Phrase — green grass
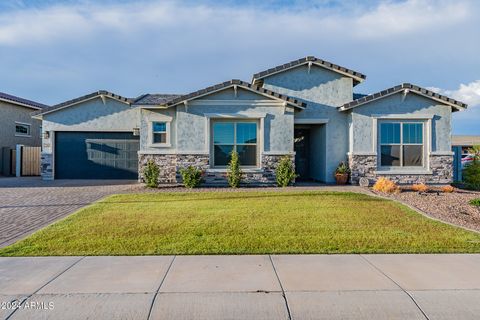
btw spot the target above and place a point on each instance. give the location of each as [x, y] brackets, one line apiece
[242, 223]
[475, 202]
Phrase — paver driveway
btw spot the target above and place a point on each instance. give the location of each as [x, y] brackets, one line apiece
[27, 204]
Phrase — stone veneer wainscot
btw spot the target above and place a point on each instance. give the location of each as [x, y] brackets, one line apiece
[441, 168]
[170, 165]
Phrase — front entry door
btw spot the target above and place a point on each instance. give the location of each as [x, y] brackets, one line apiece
[301, 146]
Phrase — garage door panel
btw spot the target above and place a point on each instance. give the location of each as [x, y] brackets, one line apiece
[96, 155]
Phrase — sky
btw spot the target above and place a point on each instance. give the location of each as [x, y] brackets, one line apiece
[53, 50]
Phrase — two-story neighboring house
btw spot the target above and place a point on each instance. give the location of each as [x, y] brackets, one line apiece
[17, 127]
[305, 109]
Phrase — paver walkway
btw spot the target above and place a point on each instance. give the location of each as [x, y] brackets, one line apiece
[242, 287]
[28, 204]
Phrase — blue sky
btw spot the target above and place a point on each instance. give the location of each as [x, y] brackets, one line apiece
[57, 50]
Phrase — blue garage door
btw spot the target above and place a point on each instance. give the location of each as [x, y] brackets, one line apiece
[96, 155]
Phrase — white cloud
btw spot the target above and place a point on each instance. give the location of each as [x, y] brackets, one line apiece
[53, 23]
[409, 17]
[467, 93]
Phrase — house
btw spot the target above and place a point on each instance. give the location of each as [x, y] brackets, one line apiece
[461, 146]
[304, 109]
[17, 127]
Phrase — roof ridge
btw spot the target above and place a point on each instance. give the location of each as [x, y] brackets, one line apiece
[228, 83]
[23, 101]
[398, 88]
[337, 68]
[82, 98]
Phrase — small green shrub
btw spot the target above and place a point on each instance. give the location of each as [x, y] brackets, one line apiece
[285, 172]
[471, 175]
[192, 177]
[151, 173]
[475, 202]
[342, 168]
[234, 175]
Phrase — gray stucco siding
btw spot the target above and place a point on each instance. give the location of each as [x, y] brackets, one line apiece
[323, 91]
[191, 124]
[409, 107]
[93, 115]
[146, 118]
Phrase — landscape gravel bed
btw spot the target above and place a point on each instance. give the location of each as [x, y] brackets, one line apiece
[450, 207]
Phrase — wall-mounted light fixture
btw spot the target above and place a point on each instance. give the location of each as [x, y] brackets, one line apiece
[46, 135]
[136, 131]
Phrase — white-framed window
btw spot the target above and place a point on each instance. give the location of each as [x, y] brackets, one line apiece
[22, 129]
[160, 133]
[235, 135]
[402, 144]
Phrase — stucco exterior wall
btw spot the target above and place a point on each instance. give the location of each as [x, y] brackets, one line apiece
[364, 155]
[323, 91]
[190, 128]
[93, 115]
[412, 105]
[9, 114]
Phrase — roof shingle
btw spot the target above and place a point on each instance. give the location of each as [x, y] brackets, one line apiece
[22, 101]
[357, 76]
[239, 83]
[405, 86]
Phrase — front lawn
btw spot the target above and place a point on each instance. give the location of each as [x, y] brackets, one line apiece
[244, 222]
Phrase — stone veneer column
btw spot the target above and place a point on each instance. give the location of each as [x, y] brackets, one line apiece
[362, 166]
[166, 164]
[46, 161]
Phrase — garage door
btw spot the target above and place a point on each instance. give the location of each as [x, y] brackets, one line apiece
[96, 155]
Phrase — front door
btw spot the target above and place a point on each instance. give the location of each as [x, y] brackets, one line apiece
[301, 146]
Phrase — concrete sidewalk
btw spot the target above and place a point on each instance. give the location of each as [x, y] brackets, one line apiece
[242, 287]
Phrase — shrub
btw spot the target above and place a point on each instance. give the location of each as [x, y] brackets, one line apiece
[192, 177]
[475, 202]
[234, 175]
[421, 187]
[386, 186]
[471, 175]
[448, 189]
[285, 172]
[151, 173]
[342, 168]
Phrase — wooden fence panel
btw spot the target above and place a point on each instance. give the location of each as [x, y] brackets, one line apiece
[31, 161]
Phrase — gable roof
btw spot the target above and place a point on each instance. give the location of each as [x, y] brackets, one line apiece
[407, 87]
[232, 83]
[357, 76]
[68, 103]
[155, 99]
[21, 102]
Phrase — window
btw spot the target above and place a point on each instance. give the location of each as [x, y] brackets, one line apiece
[401, 144]
[22, 129]
[159, 133]
[238, 136]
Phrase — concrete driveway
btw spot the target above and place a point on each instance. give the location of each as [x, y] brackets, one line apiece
[28, 204]
[242, 287]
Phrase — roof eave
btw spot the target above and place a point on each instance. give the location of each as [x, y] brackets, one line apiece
[20, 104]
[232, 83]
[356, 76]
[406, 87]
[91, 96]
